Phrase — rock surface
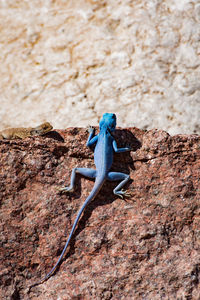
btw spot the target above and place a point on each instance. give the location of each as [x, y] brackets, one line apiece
[140, 59]
[147, 247]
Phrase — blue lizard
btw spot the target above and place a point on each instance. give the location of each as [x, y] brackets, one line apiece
[103, 158]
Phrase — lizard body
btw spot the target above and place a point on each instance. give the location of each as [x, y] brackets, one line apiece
[103, 158]
[22, 133]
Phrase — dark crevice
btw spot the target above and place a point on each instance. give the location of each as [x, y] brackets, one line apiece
[160, 156]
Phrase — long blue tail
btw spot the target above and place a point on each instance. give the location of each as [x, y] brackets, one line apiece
[97, 186]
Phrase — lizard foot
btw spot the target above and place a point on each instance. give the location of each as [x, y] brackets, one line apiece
[65, 189]
[122, 194]
[129, 147]
[90, 129]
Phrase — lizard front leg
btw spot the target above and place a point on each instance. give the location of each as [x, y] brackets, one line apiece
[91, 139]
[87, 172]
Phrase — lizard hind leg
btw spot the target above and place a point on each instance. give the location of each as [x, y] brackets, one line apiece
[87, 172]
[124, 178]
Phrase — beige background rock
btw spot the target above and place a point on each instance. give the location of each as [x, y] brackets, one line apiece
[67, 62]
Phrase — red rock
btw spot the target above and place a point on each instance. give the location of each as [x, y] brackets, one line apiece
[146, 247]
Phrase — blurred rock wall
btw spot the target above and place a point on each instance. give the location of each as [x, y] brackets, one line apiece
[67, 62]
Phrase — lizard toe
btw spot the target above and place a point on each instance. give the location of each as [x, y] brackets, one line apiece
[65, 189]
[122, 194]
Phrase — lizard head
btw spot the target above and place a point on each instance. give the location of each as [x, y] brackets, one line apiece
[42, 129]
[108, 121]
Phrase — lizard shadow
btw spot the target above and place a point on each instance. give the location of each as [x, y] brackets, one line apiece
[55, 135]
[122, 162]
